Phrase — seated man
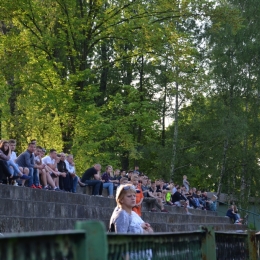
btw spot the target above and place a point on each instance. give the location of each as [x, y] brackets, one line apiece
[91, 178]
[153, 194]
[45, 175]
[50, 162]
[107, 183]
[26, 160]
[65, 182]
[123, 181]
[179, 200]
[72, 172]
[144, 186]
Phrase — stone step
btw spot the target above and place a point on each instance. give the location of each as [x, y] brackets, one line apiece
[34, 209]
[149, 203]
[27, 194]
[158, 217]
[163, 227]
[25, 209]
[22, 224]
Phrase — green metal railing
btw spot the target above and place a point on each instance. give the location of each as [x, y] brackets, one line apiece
[91, 242]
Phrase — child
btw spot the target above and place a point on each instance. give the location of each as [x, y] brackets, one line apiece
[186, 183]
[139, 195]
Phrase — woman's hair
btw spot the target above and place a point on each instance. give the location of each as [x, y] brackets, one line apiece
[122, 190]
[2, 144]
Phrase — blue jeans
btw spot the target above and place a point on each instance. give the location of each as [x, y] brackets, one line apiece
[36, 177]
[109, 186]
[30, 181]
[97, 186]
[213, 206]
[74, 184]
[14, 169]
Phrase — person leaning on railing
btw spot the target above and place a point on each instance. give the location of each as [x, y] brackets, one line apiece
[123, 219]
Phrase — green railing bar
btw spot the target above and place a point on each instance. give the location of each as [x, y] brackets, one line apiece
[252, 245]
[94, 247]
[208, 247]
[91, 242]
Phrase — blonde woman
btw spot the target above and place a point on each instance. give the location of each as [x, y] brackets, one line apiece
[123, 219]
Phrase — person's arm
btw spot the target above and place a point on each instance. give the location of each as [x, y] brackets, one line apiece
[151, 194]
[9, 152]
[3, 156]
[70, 170]
[97, 177]
[122, 223]
[140, 202]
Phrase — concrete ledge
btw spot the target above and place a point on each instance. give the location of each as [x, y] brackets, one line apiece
[158, 227]
[10, 224]
[25, 209]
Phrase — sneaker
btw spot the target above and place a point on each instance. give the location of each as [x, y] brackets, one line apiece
[57, 189]
[25, 177]
[188, 213]
[39, 186]
[15, 183]
[164, 210]
[153, 210]
[33, 187]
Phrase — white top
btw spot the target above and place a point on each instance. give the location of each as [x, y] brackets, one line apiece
[174, 190]
[47, 160]
[13, 156]
[37, 159]
[71, 168]
[126, 223]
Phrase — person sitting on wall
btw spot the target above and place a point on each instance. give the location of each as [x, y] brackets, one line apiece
[91, 177]
[153, 194]
[107, 183]
[232, 215]
[116, 178]
[179, 200]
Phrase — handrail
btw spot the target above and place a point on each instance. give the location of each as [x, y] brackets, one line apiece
[90, 241]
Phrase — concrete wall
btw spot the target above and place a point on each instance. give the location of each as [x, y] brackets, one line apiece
[25, 209]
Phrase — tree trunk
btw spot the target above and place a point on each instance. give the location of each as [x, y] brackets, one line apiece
[223, 167]
[175, 135]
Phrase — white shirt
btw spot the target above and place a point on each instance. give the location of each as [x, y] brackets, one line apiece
[47, 160]
[13, 156]
[37, 159]
[71, 169]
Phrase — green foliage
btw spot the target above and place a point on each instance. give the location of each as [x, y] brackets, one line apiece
[99, 79]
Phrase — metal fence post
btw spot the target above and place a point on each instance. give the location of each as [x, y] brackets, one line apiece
[95, 245]
[252, 248]
[208, 246]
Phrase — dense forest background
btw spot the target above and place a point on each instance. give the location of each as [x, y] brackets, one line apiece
[101, 79]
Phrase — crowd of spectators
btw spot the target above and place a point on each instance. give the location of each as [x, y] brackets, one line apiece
[164, 193]
[56, 171]
[35, 169]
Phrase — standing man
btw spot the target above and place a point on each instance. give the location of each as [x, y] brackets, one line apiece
[88, 176]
